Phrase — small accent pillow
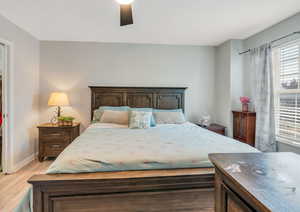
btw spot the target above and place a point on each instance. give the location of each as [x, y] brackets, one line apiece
[140, 120]
[99, 112]
[115, 117]
[169, 116]
[144, 110]
[97, 115]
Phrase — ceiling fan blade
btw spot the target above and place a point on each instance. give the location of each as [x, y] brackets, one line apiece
[126, 14]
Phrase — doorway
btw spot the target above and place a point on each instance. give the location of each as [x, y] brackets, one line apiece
[6, 51]
[3, 63]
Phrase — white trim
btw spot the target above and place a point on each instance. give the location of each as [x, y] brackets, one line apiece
[289, 91]
[7, 142]
[288, 142]
[24, 162]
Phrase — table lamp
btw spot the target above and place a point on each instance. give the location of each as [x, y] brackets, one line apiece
[58, 99]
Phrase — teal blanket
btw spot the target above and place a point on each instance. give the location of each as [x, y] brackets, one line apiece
[162, 147]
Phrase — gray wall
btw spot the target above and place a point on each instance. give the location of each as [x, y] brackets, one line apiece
[222, 85]
[228, 82]
[24, 91]
[237, 74]
[285, 27]
[73, 66]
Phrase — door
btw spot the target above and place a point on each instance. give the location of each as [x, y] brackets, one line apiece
[231, 202]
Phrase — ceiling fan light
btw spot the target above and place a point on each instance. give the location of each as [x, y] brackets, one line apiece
[124, 1]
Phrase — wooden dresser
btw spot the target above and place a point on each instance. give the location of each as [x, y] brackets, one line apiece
[53, 139]
[257, 182]
[244, 127]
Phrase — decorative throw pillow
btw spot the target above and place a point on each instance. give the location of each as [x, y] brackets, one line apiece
[145, 110]
[115, 117]
[169, 116]
[97, 116]
[140, 120]
[99, 112]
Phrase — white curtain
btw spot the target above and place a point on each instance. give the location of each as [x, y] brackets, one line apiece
[261, 66]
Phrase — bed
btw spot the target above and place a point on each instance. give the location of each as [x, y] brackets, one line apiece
[166, 175]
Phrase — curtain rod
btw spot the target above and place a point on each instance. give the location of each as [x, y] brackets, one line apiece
[273, 41]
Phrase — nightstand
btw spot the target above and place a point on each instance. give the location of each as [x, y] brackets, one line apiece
[53, 139]
[215, 128]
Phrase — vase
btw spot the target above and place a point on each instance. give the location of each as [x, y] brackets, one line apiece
[245, 107]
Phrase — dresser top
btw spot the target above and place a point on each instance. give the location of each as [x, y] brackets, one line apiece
[273, 179]
[244, 112]
[50, 125]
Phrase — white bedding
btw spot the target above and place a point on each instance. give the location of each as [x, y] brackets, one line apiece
[107, 125]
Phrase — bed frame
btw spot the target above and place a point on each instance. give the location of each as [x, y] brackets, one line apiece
[128, 191]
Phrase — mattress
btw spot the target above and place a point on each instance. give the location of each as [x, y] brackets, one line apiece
[109, 147]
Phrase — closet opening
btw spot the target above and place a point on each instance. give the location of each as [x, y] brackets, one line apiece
[6, 52]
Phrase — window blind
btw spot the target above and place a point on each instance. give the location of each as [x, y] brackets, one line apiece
[288, 94]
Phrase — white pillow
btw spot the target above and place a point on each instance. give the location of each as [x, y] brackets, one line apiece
[169, 117]
[116, 117]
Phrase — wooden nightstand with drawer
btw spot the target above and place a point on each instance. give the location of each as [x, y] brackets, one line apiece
[53, 139]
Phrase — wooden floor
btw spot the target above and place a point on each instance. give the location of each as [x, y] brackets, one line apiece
[14, 186]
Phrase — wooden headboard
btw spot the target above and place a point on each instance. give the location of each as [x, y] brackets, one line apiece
[139, 97]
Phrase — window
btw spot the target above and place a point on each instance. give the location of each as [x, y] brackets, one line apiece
[286, 60]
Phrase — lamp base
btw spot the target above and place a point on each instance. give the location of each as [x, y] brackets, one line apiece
[58, 111]
[54, 119]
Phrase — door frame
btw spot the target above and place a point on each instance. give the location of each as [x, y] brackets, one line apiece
[7, 144]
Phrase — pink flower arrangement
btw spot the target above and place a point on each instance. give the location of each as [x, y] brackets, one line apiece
[245, 100]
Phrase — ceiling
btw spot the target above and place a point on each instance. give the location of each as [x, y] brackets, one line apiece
[192, 22]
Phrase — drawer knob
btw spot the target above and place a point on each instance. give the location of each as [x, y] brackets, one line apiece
[55, 146]
[55, 134]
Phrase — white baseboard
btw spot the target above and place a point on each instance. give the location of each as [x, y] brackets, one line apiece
[24, 162]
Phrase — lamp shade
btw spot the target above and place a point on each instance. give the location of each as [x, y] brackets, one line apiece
[58, 99]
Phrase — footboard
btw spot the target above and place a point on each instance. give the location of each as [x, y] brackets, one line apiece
[133, 191]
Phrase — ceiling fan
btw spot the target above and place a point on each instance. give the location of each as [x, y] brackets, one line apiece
[125, 12]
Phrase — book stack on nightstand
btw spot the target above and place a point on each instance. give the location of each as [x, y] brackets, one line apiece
[217, 128]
